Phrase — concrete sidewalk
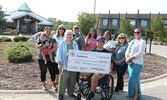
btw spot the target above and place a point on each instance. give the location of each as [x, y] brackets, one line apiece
[152, 89]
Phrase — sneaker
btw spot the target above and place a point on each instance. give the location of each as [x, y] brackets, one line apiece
[73, 96]
[90, 96]
[60, 97]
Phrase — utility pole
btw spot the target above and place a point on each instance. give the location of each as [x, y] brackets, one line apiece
[94, 11]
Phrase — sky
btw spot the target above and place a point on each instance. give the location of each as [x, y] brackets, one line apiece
[67, 10]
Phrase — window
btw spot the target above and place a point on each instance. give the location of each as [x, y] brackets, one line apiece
[143, 23]
[165, 22]
[114, 22]
[133, 23]
[105, 22]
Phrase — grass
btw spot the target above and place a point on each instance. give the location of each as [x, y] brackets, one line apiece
[7, 34]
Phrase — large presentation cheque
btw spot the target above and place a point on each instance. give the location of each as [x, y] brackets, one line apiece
[89, 62]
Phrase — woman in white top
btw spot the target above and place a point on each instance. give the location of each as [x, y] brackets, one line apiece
[108, 43]
[134, 59]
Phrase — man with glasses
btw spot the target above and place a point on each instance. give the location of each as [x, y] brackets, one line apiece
[79, 39]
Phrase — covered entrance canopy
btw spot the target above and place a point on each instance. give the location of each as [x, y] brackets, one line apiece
[26, 21]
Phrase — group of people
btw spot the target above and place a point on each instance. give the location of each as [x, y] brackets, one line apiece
[53, 55]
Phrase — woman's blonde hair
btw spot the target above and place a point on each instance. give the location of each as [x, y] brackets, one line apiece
[43, 34]
[122, 35]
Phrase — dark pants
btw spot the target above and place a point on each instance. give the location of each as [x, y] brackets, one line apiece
[43, 68]
[77, 78]
[120, 73]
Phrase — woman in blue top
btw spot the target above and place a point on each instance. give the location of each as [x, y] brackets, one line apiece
[119, 60]
[59, 36]
[67, 78]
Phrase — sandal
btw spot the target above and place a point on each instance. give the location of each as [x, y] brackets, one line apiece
[44, 87]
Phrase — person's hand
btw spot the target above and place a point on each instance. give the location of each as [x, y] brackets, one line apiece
[110, 72]
[67, 55]
[47, 44]
[59, 67]
[127, 60]
[118, 62]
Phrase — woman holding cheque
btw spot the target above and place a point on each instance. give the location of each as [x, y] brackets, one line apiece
[67, 78]
[96, 76]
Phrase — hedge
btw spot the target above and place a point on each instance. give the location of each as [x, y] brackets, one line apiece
[6, 39]
[20, 38]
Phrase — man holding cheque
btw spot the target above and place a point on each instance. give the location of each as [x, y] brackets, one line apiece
[96, 76]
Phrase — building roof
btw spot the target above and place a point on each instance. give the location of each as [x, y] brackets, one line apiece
[24, 10]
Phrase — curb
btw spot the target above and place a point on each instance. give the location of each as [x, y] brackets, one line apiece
[50, 91]
[151, 79]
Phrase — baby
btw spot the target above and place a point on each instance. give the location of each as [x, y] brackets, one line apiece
[44, 41]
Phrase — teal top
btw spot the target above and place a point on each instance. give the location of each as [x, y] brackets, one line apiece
[119, 53]
[58, 40]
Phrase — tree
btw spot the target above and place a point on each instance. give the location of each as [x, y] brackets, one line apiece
[158, 29]
[85, 22]
[59, 22]
[2, 20]
[70, 27]
[125, 27]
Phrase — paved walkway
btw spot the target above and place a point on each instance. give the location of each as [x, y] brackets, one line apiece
[152, 89]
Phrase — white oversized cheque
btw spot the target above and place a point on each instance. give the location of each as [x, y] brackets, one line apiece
[90, 62]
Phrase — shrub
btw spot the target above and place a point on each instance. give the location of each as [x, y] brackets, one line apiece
[20, 38]
[16, 39]
[0, 40]
[19, 53]
[6, 39]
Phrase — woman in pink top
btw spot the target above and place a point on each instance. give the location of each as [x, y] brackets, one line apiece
[90, 40]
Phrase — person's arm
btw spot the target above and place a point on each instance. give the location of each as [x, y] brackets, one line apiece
[112, 50]
[110, 72]
[59, 57]
[86, 44]
[112, 46]
[82, 43]
[54, 47]
[142, 47]
[59, 65]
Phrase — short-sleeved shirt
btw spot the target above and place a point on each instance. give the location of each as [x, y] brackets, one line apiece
[39, 56]
[104, 50]
[79, 40]
[43, 42]
[109, 44]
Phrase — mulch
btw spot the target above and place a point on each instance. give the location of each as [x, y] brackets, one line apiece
[26, 76]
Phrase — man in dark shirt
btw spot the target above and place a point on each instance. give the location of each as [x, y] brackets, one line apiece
[96, 76]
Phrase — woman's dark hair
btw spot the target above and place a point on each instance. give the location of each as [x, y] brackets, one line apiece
[107, 32]
[89, 35]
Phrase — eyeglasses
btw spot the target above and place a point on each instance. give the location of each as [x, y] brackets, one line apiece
[137, 32]
[76, 28]
[61, 28]
[121, 37]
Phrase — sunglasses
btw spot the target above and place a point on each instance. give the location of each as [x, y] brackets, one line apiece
[76, 28]
[137, 32]
[121, 37]
[61, 28]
